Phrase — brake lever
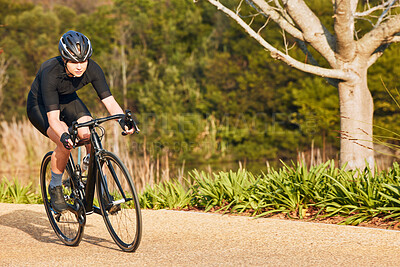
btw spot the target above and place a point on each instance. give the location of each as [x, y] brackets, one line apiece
[130, 121]
[73, 132]
[134, 126]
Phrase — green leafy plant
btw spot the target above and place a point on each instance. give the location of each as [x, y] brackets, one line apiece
[295, 190]
[14, 192]
[168, 194]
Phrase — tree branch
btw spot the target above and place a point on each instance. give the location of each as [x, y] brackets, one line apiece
[313, 30]
[311, 59]
[386, 32]
[275, 53]
[270, 12]
[279, 19]
[394, 39]
[344, 28]
[379, 51]
[377, 54]
[373, 9]
[382, 16]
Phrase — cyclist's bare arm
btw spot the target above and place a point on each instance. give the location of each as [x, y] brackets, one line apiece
[114, 108]
[56, 125]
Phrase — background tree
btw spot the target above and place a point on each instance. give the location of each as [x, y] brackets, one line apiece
[203, 92]
[3, 75]
[356, 37]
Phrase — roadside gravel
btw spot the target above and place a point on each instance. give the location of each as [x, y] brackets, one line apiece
[173, 238]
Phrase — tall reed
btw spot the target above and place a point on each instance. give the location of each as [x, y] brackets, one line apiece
[23, 147]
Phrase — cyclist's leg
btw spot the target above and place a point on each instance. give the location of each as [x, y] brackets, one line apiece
[59, 160]
[64, 224]
[76, 110]
[38, 117]
[60, 156]
[69, 224]
[83, 133]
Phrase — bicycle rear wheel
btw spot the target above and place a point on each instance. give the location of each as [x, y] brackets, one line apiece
[69, 224]
[119, 202]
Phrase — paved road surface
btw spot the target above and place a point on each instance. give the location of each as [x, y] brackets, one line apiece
[173, 238]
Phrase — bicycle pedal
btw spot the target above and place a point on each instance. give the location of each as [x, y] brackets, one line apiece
[89, 212]
[114, 209]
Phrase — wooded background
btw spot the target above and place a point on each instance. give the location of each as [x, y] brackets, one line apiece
[202, 89]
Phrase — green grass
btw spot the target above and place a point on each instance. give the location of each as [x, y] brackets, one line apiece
[14, 192]
[295, 191]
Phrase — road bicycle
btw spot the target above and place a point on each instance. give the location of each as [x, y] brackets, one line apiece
[117, 200]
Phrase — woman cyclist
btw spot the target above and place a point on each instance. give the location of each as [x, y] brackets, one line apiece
[53, 104]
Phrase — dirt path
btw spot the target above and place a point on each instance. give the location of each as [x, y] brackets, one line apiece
[174, 238]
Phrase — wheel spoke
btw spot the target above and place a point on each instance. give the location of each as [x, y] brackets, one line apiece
[67, 225]
[122, 216]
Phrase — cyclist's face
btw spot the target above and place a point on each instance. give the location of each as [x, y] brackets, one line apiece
[77, 69]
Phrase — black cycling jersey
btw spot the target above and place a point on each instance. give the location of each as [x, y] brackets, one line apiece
[52, 86]
[53, 89]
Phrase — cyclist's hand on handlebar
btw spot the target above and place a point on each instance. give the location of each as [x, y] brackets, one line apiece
[66, 140]
[127, 127]
[127, 124]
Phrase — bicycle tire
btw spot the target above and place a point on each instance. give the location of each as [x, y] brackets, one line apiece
[123, 220]
[69, 225]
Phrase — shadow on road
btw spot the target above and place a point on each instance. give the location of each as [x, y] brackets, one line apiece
[32, 223]
[38, 226]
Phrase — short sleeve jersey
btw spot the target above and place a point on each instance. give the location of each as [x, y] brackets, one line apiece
[52, 86]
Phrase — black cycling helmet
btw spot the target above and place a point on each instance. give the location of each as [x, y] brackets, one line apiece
[75, 46]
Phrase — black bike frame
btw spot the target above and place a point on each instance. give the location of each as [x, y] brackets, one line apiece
[94, 162]
[93, 168]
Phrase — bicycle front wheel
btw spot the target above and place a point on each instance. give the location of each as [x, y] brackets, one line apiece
[69, 224]
[119, 202]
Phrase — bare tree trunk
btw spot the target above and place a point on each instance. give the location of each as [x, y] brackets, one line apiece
[356, 111]
[348, 55]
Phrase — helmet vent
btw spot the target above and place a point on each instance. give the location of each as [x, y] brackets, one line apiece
[75, 46]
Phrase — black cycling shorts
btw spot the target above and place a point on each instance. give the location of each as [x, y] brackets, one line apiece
[69, 112]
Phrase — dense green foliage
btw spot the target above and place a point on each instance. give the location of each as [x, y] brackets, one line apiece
[202, 89]
[14, 192]
[295, 191]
